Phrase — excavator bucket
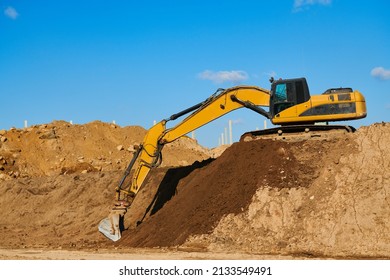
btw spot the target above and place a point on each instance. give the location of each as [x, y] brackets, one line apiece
[112, 226]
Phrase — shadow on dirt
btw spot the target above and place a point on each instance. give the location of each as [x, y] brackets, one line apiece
[167, 188]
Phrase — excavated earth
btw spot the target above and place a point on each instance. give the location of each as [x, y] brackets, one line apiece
[316, 198]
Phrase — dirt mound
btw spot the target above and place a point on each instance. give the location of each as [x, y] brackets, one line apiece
[200, 195]
[345, 212]
[57, 180]
[325, 197]
[63, 148]
[313, 198]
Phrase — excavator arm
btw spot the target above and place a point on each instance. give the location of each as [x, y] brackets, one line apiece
[148, 154]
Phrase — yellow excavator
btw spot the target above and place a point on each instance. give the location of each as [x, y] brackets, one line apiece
[290, 106]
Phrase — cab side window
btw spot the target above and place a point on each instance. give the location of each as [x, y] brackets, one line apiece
[284, 97]
[281, 93]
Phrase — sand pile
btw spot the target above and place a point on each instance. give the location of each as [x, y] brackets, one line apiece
[328, 197]
[57, 180]
[344, 211]
[63, 148]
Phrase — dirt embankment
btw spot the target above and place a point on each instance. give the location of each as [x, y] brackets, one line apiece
[323, 198]
[63, 148]
[318, 198]
[57, 180]
[344, 211]
[197, 197]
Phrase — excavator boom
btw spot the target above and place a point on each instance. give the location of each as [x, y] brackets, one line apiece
[148, 154]
[217, 105]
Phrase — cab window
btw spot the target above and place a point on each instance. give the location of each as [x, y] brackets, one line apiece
[280, 93]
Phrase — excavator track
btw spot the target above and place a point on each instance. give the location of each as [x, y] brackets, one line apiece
[298, 132]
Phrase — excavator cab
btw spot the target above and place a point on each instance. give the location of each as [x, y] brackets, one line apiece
[287, 93]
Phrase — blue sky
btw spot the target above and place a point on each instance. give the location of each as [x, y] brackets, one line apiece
[139, 61]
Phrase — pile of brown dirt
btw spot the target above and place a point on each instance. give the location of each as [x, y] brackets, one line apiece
[323, 197]
[63, 148]
[197, 197]
[311, 198]
[57, 180]
[345, 211]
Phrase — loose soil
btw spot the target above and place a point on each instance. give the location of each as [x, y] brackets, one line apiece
[317, 198]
